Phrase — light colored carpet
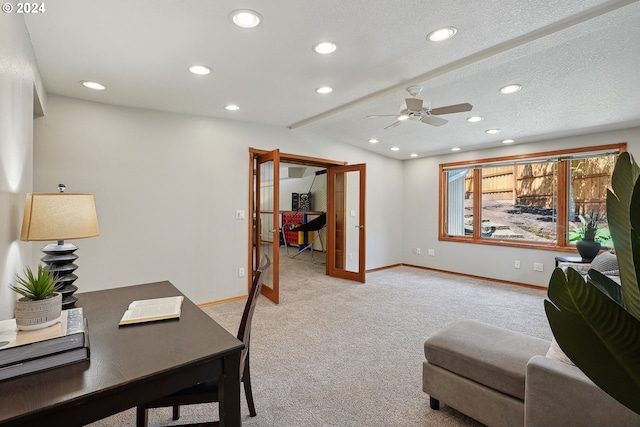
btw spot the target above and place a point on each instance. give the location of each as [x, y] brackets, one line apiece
[339, 353]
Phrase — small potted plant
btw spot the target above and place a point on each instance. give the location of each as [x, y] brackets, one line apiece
[40, 305]
[587, 247]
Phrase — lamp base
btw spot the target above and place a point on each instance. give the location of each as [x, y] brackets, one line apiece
[59, 259]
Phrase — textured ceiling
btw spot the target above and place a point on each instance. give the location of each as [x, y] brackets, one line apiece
[577, 60]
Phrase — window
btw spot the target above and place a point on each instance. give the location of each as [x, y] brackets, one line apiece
[533, 200]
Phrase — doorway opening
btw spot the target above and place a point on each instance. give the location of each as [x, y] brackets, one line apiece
[303, 212]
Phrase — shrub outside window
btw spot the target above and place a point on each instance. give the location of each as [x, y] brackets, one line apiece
[533, 200]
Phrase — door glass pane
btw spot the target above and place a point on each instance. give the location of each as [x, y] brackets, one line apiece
[340, 225]
[347, 221]
[353, 221]
[266, 216]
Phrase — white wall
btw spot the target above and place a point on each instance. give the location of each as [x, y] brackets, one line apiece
[303, 185]
[167, 187]
[420, 221]
[18, 77]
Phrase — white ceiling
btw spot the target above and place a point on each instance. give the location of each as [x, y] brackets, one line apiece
[578, 62]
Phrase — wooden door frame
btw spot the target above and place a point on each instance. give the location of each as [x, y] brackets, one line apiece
[284, 158]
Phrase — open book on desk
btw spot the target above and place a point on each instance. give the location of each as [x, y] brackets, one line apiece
[150, 310]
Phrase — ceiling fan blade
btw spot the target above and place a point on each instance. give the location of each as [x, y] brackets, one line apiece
[458, 108]
[413, 104]
[434, 121]
[375, 116]
[392, 125]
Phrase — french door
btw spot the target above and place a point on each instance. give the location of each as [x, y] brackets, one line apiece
[345, 232]
[346, 190]
[267, 220]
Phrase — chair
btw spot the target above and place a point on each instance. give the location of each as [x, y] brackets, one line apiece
[317, 224]
[207, 391]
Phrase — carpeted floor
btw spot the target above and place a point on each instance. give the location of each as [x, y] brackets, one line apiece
[339, 353]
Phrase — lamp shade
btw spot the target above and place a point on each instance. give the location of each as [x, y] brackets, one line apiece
[59, 216]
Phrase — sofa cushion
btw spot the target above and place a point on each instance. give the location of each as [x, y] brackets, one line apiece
[487, 354]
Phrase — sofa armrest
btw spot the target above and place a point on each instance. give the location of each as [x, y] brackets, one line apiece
[557, 394]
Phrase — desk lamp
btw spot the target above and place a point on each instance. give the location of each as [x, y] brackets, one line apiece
[60, 216]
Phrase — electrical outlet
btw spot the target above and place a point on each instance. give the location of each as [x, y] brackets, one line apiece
[417, 251]
[517, 264]
[431, 252]
[538, 266]
[241, 272]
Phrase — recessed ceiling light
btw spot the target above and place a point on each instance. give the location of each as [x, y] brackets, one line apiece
[508, 89]
[231, 107]
[325, 48]
[246, 18]
[373, 141]
[442, 34]
[402, 117]
[395, 149]
[201, 70]
[92, 85]
[324, 89]
[474, 119]
[413, 155]
[455, 149]
[492, 131]
[507, 141]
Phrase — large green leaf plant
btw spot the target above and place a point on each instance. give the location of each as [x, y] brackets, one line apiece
[597, 323]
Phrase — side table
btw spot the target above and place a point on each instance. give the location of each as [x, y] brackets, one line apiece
[575, 262]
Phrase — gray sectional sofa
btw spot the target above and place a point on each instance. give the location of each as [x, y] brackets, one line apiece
[504, 378]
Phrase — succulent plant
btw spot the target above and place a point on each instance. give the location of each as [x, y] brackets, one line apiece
[589, 226]
[36, 286]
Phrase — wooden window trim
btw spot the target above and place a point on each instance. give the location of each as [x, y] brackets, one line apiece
[562, 244]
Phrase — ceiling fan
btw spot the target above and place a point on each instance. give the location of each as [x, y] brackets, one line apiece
[414, 109]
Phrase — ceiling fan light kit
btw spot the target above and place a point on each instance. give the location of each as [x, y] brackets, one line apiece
[415, 109]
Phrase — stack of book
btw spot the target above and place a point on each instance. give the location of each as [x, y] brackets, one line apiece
[25, 352]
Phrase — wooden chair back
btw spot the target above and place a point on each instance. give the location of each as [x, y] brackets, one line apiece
[244, 332]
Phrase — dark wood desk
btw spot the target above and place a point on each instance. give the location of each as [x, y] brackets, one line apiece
[129, 365]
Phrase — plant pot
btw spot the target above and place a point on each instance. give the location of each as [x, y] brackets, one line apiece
[38, 314]
[588, 249]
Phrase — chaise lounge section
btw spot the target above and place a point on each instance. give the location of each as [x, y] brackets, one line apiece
[503, 378]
